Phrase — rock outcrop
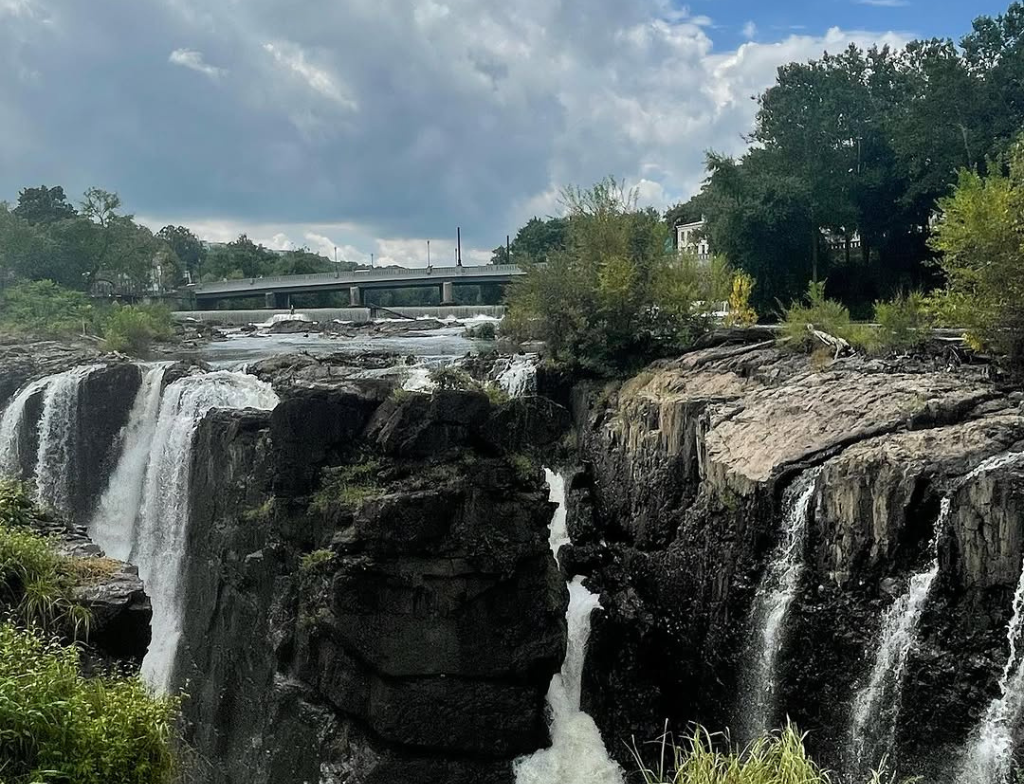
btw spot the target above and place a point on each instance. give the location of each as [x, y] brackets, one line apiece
[677, 508]
[370, 596]
[120, 611]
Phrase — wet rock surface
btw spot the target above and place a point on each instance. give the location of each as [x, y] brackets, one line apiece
[370, 592]
[677, 508]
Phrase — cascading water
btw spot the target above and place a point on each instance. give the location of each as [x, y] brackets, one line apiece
[162, 523]
[771, 607]
[577, 754]
[517, 375]
[11, 425]
[877, 706]
[58, 430]
[113, 526]
[989, 757]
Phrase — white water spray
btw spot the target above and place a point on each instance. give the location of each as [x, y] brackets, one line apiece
[577, 754]
[989, 757]
[517, 375]
[771, 607]
[877, 706]
[113, 526]
[160, 543]
[11, 426]
[58, 431]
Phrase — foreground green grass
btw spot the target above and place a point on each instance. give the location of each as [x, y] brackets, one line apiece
[776, 759]
[55, 724]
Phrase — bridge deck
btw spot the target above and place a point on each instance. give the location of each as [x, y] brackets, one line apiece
[380, 278]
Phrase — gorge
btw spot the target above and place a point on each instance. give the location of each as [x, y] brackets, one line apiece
[357, 583]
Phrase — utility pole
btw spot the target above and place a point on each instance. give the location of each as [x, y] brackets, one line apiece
[508, 250]
[458, 246]
[428, 253]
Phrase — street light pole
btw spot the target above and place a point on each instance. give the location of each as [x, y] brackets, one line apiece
[428, 253]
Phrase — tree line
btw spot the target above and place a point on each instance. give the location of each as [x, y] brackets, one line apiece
[850, 156]
[896, 177]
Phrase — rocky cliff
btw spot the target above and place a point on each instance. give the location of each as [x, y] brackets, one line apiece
[677, 507]
[370, 596]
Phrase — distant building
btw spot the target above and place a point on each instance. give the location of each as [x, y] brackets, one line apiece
[690, 238]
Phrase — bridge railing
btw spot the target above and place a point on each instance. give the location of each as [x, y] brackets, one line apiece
[355, 277]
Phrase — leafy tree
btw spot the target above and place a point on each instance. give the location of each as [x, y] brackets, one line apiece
[760, 220]
[979, 235]
[186, 245]
[44, 205]
[686, 212]
[616, 296]
[43, 308]
[132, 330]
[534, 242]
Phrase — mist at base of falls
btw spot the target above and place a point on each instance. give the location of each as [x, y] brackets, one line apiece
[577, 754]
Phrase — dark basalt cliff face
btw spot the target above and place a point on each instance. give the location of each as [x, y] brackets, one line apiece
[370, 596]
[676, 510]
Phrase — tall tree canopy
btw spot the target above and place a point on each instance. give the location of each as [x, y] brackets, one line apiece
[853, 151]
[534, 241]
[43, 205]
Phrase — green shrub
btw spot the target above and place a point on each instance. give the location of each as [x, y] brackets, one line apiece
[484, 331]
[131, 329]
[347, 485]
[15, 504]
[617, 295]
[42, 308]
[741, 314]
[36, 582]
[56, 726]
[824, 315]
[903, 323]
[776, 759]
[449, 377]
[310, 562]
[525, 467]
[979, 234]
[496, 394]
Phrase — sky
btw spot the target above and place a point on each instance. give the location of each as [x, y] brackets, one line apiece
[373, 126]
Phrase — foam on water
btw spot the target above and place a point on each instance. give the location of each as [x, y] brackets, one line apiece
[11, 426]
[159, 547]
[772, 602]
[577, 754]
[113, 525]
[58, 433]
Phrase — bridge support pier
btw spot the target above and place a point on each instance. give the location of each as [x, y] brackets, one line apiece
[276, 300]
[355, 297]
[447, 297]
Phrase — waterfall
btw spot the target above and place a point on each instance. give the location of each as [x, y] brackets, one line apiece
[877, 706]
[159, 546]
[577, 754]
[517, 375]
[771, 607]
[113, 526]
[11, 425]
[989, 756]
[58, 431]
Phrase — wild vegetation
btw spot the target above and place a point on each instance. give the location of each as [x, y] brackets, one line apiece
[776, 759]
[55, 724]
[41, 308]
[862, 144]
[616, 295]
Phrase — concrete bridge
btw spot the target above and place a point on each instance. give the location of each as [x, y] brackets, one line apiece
[277, 290]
